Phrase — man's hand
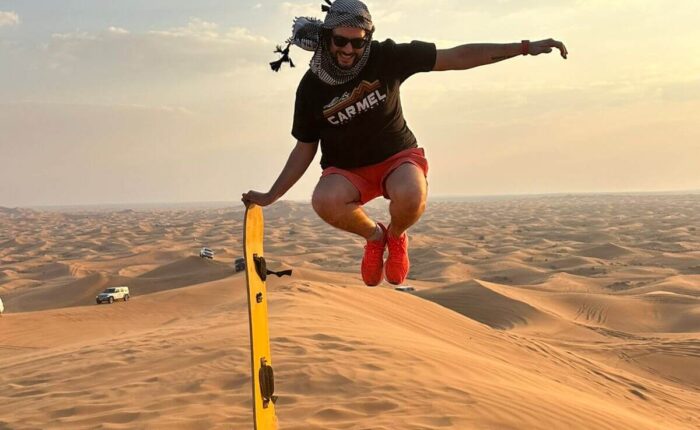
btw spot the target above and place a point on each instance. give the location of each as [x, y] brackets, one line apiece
[260, 199]
[545, 47]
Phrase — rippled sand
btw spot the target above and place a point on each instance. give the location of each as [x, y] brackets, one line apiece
[537, 312]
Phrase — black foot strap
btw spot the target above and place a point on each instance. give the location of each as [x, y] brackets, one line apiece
[262, 270]
[267, 383]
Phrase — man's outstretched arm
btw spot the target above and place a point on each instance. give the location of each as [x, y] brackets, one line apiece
[299, 159]
[478, 54]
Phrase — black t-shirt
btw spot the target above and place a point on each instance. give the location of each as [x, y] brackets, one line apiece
[361, 122]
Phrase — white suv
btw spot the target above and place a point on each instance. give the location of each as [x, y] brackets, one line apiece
[113, 293]
[2, 307]
[206, 253]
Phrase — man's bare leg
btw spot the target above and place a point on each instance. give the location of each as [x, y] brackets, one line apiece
[336, 201]
[408, 190]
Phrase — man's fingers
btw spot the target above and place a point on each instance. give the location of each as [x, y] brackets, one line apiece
[560, 46]
[246, 198]
[255, 197]
[546, 47]
[564, 52]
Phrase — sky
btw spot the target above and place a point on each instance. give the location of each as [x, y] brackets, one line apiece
[143, 101]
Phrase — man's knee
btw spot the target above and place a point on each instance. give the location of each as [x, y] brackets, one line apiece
[409, 198]
[407, 188]
[331, 196]
[324, 202]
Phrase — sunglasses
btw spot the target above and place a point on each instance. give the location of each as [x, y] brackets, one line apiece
[356, 43]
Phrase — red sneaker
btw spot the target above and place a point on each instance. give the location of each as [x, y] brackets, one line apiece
[397, 263]
[373, 260]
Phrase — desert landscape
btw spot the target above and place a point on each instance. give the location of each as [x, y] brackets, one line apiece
[533, 312]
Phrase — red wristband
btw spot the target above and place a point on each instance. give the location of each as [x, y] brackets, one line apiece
[525, 48]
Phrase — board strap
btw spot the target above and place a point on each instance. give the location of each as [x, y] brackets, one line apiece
[263, 271]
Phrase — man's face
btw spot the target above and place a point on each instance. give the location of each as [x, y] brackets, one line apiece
[346, 56]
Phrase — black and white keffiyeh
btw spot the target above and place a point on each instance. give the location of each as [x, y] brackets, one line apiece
[308, 34]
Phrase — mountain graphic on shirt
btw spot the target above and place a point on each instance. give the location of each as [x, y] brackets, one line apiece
[337, 100]
[366, 96]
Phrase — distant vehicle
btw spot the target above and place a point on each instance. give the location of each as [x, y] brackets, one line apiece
[2, 307]
[113, 293]
[206, 253]
[405, 288]
[239, 265]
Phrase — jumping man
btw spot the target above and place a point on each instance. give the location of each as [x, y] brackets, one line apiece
[349, 101]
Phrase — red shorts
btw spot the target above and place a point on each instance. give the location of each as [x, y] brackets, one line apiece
[369, 180]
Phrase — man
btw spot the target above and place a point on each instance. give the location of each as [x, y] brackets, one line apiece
[349, 101]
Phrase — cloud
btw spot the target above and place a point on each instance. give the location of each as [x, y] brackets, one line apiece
[8, 19]
[302, 9]
[198, 64]
[118, 30]
[209, 31]
[198, 48]
[77, 35]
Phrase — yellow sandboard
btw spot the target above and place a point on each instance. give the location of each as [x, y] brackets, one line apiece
[261, 362]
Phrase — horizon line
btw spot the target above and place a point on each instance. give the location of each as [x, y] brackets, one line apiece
[444, 197]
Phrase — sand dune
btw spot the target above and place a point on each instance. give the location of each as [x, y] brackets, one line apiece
[572, 312]
[477, 301]
[608, 251]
